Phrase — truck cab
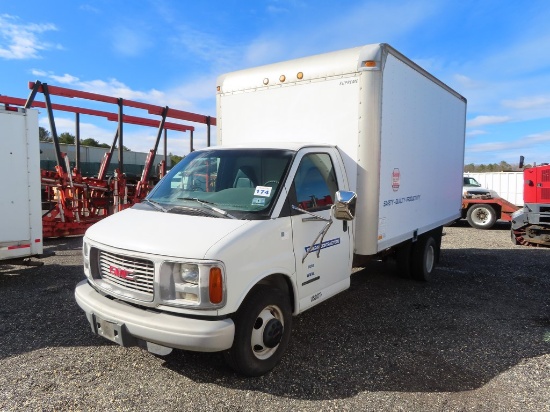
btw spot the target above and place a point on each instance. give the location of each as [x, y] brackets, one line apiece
[222, 253]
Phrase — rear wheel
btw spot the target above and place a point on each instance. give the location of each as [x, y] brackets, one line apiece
[424, 256]
[403, 258]
[513, 237]
[481, 216]
[262, 331]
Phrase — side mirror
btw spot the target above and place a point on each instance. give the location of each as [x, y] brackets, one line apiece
[344, 208]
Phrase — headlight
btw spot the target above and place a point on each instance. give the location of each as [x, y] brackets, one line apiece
[86, 258]
[85, 249]
[189, 273]
[197, 285]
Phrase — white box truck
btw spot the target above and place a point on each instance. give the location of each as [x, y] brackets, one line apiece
[353, 154]
[20, 205]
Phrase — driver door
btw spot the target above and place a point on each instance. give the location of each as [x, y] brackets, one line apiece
[321, 243]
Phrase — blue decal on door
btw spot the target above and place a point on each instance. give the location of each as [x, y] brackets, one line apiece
[324, 245]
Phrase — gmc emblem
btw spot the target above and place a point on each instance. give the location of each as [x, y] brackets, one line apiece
[121, 273]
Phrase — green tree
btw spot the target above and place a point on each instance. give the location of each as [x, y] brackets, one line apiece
[505, 167]
[174, 159]
[90, 142]
[66, 138]
[44, 135]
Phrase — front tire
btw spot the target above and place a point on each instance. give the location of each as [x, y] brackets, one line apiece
[481, 216]
[262, 331]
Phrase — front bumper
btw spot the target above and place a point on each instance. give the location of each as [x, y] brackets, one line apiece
[128, 325]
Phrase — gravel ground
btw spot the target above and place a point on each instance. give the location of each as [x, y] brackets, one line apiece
[475, 338]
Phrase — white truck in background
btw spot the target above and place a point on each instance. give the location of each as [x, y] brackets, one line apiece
[482, 207]
[322, 162]
[20, 203]
[508, 185]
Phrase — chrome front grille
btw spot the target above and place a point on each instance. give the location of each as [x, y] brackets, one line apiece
[127, 274]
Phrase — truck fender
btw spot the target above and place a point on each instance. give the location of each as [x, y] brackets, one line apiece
[279, 280]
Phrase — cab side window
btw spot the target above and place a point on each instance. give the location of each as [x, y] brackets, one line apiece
[315, 182]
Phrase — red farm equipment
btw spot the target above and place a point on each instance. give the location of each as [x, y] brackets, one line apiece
[72, 202]
[531, 224]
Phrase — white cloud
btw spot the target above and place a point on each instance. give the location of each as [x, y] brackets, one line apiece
[535, 148]
[20, 40]
[204, 46]
[387, 20]
[116, 88]
[130, 42]
[467, 82]
[89, 8]
[65, 79]
[540, 140]
[533, 102]
[487, 120]
[276, 10]
[262, 51]
[476, 133]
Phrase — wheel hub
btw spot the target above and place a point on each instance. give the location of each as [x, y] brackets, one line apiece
[267, 332]
[273, 333]
[482, 215]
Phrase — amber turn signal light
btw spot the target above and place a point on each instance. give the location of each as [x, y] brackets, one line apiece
[215, 285]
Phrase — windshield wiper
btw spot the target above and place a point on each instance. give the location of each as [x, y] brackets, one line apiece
[208, 205]
[156, 205]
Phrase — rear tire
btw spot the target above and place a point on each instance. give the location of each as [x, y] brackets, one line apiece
[262, 332]
[424, 256]
[403, 258]
[481, 216]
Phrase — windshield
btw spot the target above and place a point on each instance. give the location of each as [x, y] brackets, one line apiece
[224, 182]
[470, 181]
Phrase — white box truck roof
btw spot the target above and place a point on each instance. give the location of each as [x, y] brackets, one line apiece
[400, 129]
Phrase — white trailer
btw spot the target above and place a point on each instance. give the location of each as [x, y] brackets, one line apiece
[322, 161]
[20, 205]
[508, 185]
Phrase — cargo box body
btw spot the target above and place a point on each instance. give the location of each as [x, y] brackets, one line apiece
[399, 129]
[21, 223]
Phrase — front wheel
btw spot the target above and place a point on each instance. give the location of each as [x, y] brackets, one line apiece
[262, 331]
[481, 216]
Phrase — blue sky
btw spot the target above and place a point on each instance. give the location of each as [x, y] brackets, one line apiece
[169, 52]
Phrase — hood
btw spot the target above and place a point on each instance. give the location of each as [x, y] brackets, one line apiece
[160, 233]
[476, 190]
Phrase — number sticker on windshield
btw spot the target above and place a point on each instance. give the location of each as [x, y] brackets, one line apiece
[263, 191]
